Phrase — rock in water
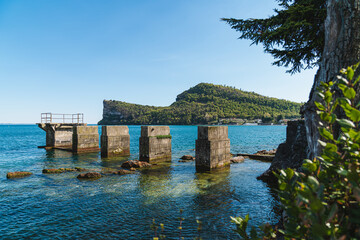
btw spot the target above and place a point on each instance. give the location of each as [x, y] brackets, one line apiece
[57, 170]
[135, 164]
[265, 152]
[18, 174]
[79, 169]
[124, 172]
[52, 170]
[118, 172]
[187, 157]
[238, 159]
[89, 175]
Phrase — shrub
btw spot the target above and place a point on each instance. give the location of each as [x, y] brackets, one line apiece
[323, 200]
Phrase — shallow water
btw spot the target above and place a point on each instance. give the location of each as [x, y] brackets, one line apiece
[122, 207]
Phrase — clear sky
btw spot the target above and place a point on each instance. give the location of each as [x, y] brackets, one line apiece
[67, 56]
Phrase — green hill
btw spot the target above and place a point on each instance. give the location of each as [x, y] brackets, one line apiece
[205, 103]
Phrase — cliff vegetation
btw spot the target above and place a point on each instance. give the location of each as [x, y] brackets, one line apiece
[203, 104]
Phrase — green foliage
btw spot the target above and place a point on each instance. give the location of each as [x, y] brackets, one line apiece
[202, 104]
[294, 35]
[323, 201]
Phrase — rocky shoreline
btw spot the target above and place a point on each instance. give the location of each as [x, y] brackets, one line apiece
[289, 154]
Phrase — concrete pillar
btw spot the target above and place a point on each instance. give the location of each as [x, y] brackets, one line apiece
[58, 135]
[155, 144]
[115, 140]
[212, 148]
[85, 139]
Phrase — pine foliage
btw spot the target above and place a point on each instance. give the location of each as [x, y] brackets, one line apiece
[294, 35]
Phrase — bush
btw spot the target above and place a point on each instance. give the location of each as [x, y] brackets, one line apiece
[323, 200]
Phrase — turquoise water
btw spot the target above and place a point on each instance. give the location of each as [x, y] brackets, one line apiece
[123, 207]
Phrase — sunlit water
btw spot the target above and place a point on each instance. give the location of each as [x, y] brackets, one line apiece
[60, 206]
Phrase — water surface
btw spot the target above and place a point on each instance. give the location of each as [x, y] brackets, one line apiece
[123, 207]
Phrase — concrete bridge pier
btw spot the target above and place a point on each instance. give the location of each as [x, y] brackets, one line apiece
[155, 144]
[85, 139]
[115, 141]
[212, 148]
[58, 135]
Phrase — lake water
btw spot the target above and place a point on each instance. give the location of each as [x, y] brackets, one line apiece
[59, 206]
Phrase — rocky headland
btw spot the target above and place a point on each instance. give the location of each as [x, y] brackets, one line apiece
[202, 104]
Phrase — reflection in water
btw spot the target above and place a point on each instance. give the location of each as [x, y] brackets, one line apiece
[276, 211]
[113, 162]
[214, 198]
[58, 154]
[154, 182]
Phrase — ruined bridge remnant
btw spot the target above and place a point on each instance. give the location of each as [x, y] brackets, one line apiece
[155, 144]
[85, 139]
[69, 132]
[59, 128]
[115, 140]
[212, 148]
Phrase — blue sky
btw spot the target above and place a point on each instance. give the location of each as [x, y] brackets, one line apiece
[67, 56]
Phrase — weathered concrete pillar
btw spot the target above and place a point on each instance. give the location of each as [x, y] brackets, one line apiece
[115, 140]
[85, 139]
[58, 135]
[155, 143]
[212, 148]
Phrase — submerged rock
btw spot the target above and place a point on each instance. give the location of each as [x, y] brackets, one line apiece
[265, 152]
[89, 175]
[69, 169]
[18, 174]
[187, 158]
[238, 159]
[62, 170]
[118, 172]
[135, 164]
[79, 169]
[53, 170]
[124, 172]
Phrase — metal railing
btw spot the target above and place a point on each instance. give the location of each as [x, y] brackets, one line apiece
[62, 118]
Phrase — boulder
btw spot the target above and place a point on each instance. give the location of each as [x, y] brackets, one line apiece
[135, 164]
[18, 174]
[238, 159]
[89, 175]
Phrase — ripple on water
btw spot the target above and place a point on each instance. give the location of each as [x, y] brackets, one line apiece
[123, 207]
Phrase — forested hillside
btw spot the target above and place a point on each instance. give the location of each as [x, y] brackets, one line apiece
[205, 103]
